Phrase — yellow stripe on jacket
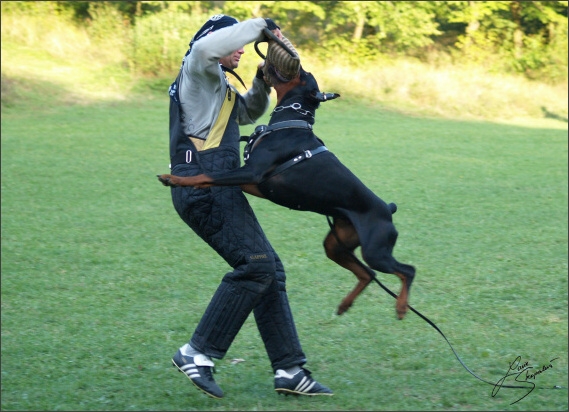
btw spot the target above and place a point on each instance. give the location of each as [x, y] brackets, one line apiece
[218, 129]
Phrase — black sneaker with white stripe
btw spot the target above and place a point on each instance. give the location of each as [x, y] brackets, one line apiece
[199, 369]
[299, 384]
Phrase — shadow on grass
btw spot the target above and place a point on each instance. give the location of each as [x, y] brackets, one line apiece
[20, 92]
[550, 115]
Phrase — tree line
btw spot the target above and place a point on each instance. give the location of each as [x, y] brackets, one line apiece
[526, 37]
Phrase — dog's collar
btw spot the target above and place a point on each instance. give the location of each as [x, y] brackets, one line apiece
[294, 106]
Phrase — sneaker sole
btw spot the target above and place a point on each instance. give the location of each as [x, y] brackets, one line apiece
[286, 392]
[201, 389]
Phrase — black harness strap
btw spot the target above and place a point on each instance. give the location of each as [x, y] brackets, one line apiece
[307, 154]
[263, 130]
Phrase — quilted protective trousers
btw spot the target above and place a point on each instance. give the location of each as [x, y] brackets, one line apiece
[223, 218]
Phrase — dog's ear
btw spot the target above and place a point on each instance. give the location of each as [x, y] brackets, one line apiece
[323, 97]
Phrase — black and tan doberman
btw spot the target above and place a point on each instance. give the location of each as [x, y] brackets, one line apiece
[286, 163]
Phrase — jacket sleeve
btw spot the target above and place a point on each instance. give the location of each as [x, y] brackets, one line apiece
[223, 42]
[257, 100]
[208, 50]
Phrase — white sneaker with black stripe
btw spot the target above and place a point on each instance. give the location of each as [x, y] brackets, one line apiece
[199, 370]
[299, 384]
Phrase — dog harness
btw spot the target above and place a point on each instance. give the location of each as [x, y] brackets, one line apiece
[263, 130]
[307, 154]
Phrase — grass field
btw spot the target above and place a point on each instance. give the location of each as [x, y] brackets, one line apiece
[102, 282]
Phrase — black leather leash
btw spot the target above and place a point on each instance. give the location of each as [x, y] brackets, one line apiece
[374, 278]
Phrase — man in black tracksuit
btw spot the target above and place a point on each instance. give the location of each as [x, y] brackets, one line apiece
[205, 114]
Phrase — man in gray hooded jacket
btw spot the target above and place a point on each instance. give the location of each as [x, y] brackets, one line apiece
[205, 114]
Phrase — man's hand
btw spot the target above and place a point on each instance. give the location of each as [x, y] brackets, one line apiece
[273, 27]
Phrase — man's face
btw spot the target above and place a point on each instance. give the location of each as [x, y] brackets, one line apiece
[232, 61]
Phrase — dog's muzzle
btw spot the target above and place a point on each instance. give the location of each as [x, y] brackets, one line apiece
[285, 66]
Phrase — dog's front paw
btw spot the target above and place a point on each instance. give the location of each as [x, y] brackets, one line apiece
[166, 180]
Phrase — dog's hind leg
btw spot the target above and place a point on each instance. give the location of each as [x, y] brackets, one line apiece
[377, 243]
[406, 273]
[339, 245]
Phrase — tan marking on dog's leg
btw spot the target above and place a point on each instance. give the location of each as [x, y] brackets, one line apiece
[401, 306]
[343, 255]
[349, 299]
[252, 189]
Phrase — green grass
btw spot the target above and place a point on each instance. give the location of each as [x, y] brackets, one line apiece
[102, 282]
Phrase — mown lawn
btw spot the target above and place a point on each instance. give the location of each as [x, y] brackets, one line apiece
[102, 282]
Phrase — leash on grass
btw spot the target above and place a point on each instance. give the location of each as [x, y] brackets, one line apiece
[374, 278]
